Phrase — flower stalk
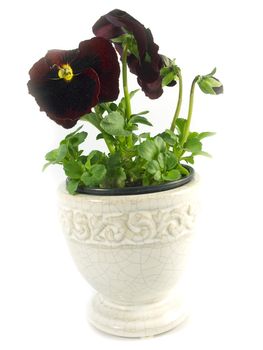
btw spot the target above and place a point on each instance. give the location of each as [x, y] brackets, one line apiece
[179, 101]
[126, 90]
[190, 111]
[125, 83]
[110, 146]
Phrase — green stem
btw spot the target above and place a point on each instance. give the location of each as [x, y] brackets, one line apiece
[179, 102]
[183, 170]
[126, 91]
[190, 111]
[125, 83]
[109, 144]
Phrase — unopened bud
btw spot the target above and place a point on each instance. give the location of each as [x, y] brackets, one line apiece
[210, 85]
[169, 71]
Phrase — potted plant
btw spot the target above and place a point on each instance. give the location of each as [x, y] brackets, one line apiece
[127, 213]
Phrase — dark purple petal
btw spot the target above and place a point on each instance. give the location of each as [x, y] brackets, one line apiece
[144, 70]
[92, 76]
[218, 90]
[65, 102]
[172, 83]
[152, 50]
[152, 90]
[116, 23]
[44, 68]
[105, 29]
[40, 70]
[101, 56]
[59, 57]
[147, 67]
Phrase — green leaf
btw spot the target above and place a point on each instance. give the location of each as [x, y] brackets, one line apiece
[113, 107]
[46, 166]
[93, 118]
[135, 138]
[90, 157]
[146, 180]
[212, 73]
[98, 171]
[202, 135]
[135, 119]
[95, 176]
[132, 127]
[74, 132]
[104, 106]
[202, 153]
[114, 160]
[193, 135]
[147, 150]
[116, 174]
[73, 169]
[153, 167]
[86, 178]
[172, 175]
[120, 39]
[157, 175]
[62, 152]
[193, 145]
[57, 155]
[72, 185]
[183, 170]
[132, 93]
[120, 177]
[167, 79]
[164, 71]
[122, 104]
[82, 158]
[145, 135]
[180, 125]
[52, 155]
[170, 161]
[78, 138]
[106, 137]
[115, 177]
[189, 159]
[101, 108]
[132, 45]
[161, 160]
[169, 137]
[114, 124]
[140, 113]
[160, 144]
[93, 158]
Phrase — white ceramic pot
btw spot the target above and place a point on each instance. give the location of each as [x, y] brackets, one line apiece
[132, 249]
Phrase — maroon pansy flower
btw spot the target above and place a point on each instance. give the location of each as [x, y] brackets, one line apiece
[67, 84]
[147, 64]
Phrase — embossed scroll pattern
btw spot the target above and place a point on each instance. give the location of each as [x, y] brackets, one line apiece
[127, 228]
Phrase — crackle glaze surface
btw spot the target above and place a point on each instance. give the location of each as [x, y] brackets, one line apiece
[132, 250]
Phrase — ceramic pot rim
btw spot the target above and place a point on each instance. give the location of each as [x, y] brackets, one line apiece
[138, 189]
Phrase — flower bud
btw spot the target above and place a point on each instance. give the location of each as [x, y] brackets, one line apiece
[209, 84]
[169, 71]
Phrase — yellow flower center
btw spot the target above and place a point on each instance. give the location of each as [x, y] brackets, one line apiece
[65, 72]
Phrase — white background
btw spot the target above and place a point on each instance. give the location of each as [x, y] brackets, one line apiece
[42, 296]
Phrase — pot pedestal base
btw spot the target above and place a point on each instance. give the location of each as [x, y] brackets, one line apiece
[136, 321]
